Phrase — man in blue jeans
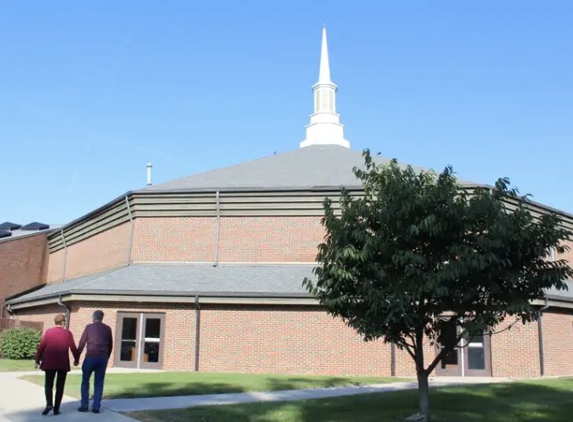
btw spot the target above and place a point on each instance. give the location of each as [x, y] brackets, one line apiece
[97, 336]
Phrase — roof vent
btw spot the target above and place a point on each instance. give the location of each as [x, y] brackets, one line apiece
[9, 226]
[35, 226]
[5, 233]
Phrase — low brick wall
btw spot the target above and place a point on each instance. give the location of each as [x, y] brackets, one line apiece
[7, 323]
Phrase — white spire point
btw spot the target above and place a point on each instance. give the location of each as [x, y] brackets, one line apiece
[324, 127]
[324, 75]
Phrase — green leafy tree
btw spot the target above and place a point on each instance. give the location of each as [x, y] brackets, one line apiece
[417, 251]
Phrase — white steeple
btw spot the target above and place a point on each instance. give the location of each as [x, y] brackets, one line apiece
[324, 127]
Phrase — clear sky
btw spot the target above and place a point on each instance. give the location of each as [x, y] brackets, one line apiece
[90, 91]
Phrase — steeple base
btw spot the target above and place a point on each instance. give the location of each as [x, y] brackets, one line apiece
[326, 133]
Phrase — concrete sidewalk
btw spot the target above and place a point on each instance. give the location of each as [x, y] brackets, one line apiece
[181, 402]
[23, 401]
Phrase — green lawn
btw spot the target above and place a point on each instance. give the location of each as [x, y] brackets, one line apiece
[163, 384]
[548, 400]
[7, 365]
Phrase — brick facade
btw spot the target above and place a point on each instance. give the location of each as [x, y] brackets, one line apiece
[558, 342]
[259, 339]
[242, 239]
[306, 340]
[22, 264]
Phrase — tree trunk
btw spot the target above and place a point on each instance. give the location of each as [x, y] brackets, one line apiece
[424, 394]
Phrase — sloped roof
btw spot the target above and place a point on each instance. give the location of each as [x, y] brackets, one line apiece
[185, 280]
[313, 166]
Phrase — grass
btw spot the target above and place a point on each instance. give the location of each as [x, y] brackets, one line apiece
[547, 400]
[8, 365]
[162, 384]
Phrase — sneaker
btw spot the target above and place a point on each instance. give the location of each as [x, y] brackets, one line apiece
[95, 410]
[47, 410]
[56, 411]
[83, 409]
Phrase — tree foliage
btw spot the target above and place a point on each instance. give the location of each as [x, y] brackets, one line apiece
[418, 250]
[19, 343]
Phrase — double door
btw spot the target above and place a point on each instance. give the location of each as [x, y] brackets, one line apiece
[140, 340]
[472, 358]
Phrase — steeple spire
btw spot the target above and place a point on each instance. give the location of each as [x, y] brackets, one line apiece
[324, 127]
[324, 75]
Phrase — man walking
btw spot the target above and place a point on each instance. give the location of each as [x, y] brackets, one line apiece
[97, 336]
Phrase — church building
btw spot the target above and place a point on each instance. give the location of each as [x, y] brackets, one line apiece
[204, 273]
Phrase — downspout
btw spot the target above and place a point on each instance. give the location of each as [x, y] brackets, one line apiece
[540, 335]
[393, 360]
[197, 332]
[217, 229]
[68, 311]
[65, 256]
[130, 244]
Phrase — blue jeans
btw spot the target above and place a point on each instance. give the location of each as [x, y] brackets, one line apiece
[97, 366]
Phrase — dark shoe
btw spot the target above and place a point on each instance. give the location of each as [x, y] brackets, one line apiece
[56, 412]
[95, 410]
[83, 409]
[47, 410]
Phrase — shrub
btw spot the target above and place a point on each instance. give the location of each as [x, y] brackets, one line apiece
[19, 343]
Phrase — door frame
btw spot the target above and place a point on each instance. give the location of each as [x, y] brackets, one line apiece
[140, 317]
[152, 365]
[118, 340]
[463, 369]
[486, 372]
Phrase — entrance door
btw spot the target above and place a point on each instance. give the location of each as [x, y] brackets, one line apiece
[450, 364]
[477, 361]
[140, 340]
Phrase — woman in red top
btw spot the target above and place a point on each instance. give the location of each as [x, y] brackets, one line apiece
[53, 353]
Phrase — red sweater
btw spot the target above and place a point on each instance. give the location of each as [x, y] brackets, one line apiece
[53, 350]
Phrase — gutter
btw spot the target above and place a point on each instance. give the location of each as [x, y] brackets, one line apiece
[130, 244]
[68, 311]
[65, 256]
[540, 337]
[197, 332]
[218, 228]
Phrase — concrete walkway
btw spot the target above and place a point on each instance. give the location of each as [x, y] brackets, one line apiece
[181, 402]
[22, 401]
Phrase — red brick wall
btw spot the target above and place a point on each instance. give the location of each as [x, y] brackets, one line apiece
[285, 340]
[242, 239]
[558, 342]
[174, 239]
[270, 239]
[22, 264]
[43, 314]
[56, 266]
[515, 352]
[100, 252]
[567, 255]
[305, 340]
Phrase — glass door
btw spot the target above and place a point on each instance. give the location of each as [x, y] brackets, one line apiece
[128, 331]
[450, 365]
[139, 338]
[477, 362]
[152, 341]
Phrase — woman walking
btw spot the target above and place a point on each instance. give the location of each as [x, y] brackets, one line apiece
[53, 353]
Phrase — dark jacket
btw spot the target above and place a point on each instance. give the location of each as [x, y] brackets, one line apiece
[99, 341]
[53, 351]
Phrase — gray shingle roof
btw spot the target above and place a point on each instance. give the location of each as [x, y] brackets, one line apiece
[313, 166]
[186, 280]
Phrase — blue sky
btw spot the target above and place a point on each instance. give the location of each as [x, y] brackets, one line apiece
[91, 91]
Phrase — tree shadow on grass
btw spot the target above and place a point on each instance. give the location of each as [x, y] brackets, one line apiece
[513, 402]
[200, 387]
